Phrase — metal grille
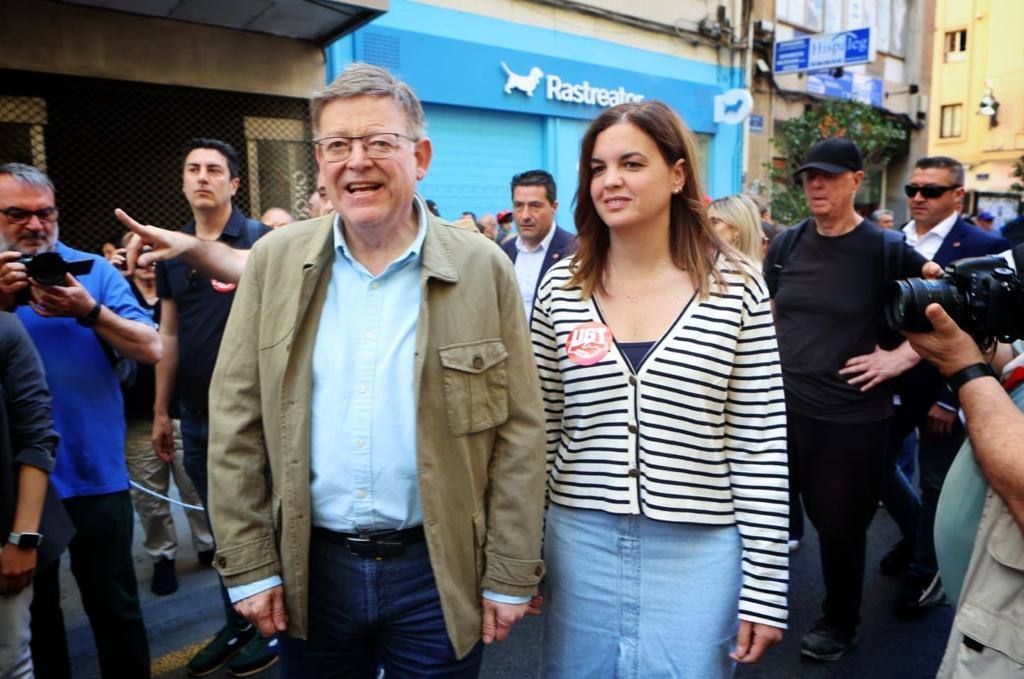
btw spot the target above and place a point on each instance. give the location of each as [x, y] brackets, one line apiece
[110, 144]
[382, 50]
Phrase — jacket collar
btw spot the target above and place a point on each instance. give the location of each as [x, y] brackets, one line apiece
[438, 259]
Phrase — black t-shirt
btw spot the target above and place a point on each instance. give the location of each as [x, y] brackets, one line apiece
[203, 306]
[828, 309]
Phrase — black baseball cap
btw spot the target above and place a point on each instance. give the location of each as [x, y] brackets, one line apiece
[834, 156]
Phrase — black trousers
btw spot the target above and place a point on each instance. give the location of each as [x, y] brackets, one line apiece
[101, 561]
[838, 469]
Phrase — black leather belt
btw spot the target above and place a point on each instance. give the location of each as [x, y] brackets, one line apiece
[385, 544]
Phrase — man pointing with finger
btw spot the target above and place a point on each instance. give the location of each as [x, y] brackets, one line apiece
[377, 366]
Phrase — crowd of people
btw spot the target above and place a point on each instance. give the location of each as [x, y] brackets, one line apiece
[410, 433]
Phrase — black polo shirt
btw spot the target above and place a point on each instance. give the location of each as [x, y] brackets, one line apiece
[203, 307]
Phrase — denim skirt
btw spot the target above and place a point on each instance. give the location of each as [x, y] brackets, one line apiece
[626, 596]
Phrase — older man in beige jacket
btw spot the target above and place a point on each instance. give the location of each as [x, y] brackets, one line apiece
[377, 365]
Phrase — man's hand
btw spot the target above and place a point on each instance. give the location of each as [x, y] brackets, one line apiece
[931, 270]
[499, 618]
[69, 300]
[753, 639]
[163, 437]
[265, 611]
[13, 276]
[870, 370]
[166, 244]
[940, 421]
[947, 347]
[17, 565]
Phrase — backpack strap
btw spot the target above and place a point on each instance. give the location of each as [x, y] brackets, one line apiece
[779, 253]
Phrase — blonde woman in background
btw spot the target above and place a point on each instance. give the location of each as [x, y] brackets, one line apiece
[738, 222]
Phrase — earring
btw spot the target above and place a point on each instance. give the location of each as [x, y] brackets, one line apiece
[677, 189]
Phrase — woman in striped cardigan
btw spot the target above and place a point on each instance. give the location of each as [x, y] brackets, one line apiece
[666, 529]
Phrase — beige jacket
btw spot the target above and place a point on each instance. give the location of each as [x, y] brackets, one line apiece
[480, 433]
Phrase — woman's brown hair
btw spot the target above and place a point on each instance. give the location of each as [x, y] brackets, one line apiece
[693, 241]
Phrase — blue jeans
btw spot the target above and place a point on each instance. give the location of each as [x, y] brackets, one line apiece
[365, 614]
[631, 597]
[195, 432]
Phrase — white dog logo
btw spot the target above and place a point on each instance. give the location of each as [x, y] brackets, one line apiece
[523, 83]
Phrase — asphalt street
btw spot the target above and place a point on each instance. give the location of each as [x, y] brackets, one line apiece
[888, 647]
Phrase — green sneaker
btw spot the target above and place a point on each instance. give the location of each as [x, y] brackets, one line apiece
[211, 657]
[259, 654]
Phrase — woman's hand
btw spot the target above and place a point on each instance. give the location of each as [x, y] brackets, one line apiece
[753, 640]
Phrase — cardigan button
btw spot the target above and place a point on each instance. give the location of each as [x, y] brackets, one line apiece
[632, 380]
[632, 428]
[633, 473]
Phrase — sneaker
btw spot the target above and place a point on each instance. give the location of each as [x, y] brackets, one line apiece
[918, 593]
[259, 654]
[205, 557]
[898, 559]
[229, 641]
[827, 641]
[164, 580]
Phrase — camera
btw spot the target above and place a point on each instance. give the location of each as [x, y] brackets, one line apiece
[49, 268]
[982, 295]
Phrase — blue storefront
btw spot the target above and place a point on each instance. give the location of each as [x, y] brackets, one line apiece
[493, 111]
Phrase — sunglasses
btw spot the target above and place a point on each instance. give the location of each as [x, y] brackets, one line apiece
[929, 191]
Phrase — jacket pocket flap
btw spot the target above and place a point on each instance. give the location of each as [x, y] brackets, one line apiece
[473, 357]
[1005, 544]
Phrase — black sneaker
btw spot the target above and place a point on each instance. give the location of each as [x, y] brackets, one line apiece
[827, 641]
[918, 594]
[205, 557]
[164, 580]
[259, 654]
[211, 657]
[898, 559]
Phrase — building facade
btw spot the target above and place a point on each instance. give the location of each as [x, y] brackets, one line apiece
[509, 86]
[977, 107]
[897, 83]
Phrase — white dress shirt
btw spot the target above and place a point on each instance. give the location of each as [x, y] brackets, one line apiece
[929, 244]
[528, 266]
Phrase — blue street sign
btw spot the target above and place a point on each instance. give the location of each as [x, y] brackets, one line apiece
[827, 50]
[756, 123]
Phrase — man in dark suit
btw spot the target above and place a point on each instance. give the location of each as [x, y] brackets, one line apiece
[540, 242]
[938, 232]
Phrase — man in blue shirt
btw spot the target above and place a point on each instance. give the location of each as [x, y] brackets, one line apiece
[78, 328]
[193, 311]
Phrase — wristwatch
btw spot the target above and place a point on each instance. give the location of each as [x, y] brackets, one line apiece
[965, 375]
[25, 540]
[89, 320]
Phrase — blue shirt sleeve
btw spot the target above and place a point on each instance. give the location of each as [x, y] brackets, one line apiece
[505, 598]
[240, 592]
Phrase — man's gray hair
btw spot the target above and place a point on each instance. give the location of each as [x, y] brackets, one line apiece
[878, 214]
[364, 80]
[28, 175]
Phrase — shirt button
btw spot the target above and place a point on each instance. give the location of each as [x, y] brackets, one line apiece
[360, 443]
[370, 335]
[632, 428]
[375, 285]
[362, 389]
[478, 363]
[361, 493]
[633, 473]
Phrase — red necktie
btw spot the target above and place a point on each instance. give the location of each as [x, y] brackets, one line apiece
[1015, 379]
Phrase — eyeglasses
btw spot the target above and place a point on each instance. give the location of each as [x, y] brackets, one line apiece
[20, 217]
[377, 145]
[928, 191]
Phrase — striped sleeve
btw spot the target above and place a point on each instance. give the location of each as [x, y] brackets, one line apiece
[545, 351]
[755, 449]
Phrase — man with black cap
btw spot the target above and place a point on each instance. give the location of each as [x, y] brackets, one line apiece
[826, 277]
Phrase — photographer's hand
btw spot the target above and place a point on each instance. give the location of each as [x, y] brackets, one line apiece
[13, 275]
[880, 365]
[69, 300]
[947, 347]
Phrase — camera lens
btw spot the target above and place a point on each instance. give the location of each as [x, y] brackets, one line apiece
[47, 268]
[909, 299]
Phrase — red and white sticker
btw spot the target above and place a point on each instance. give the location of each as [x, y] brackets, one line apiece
[588, 343]
[222, 287]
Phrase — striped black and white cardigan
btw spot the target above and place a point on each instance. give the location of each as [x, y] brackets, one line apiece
[697, 435]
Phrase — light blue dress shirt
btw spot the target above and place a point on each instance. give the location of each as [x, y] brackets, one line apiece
[363, 472]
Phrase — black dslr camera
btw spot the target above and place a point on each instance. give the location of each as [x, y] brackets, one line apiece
[982, 295]
[49, 268]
